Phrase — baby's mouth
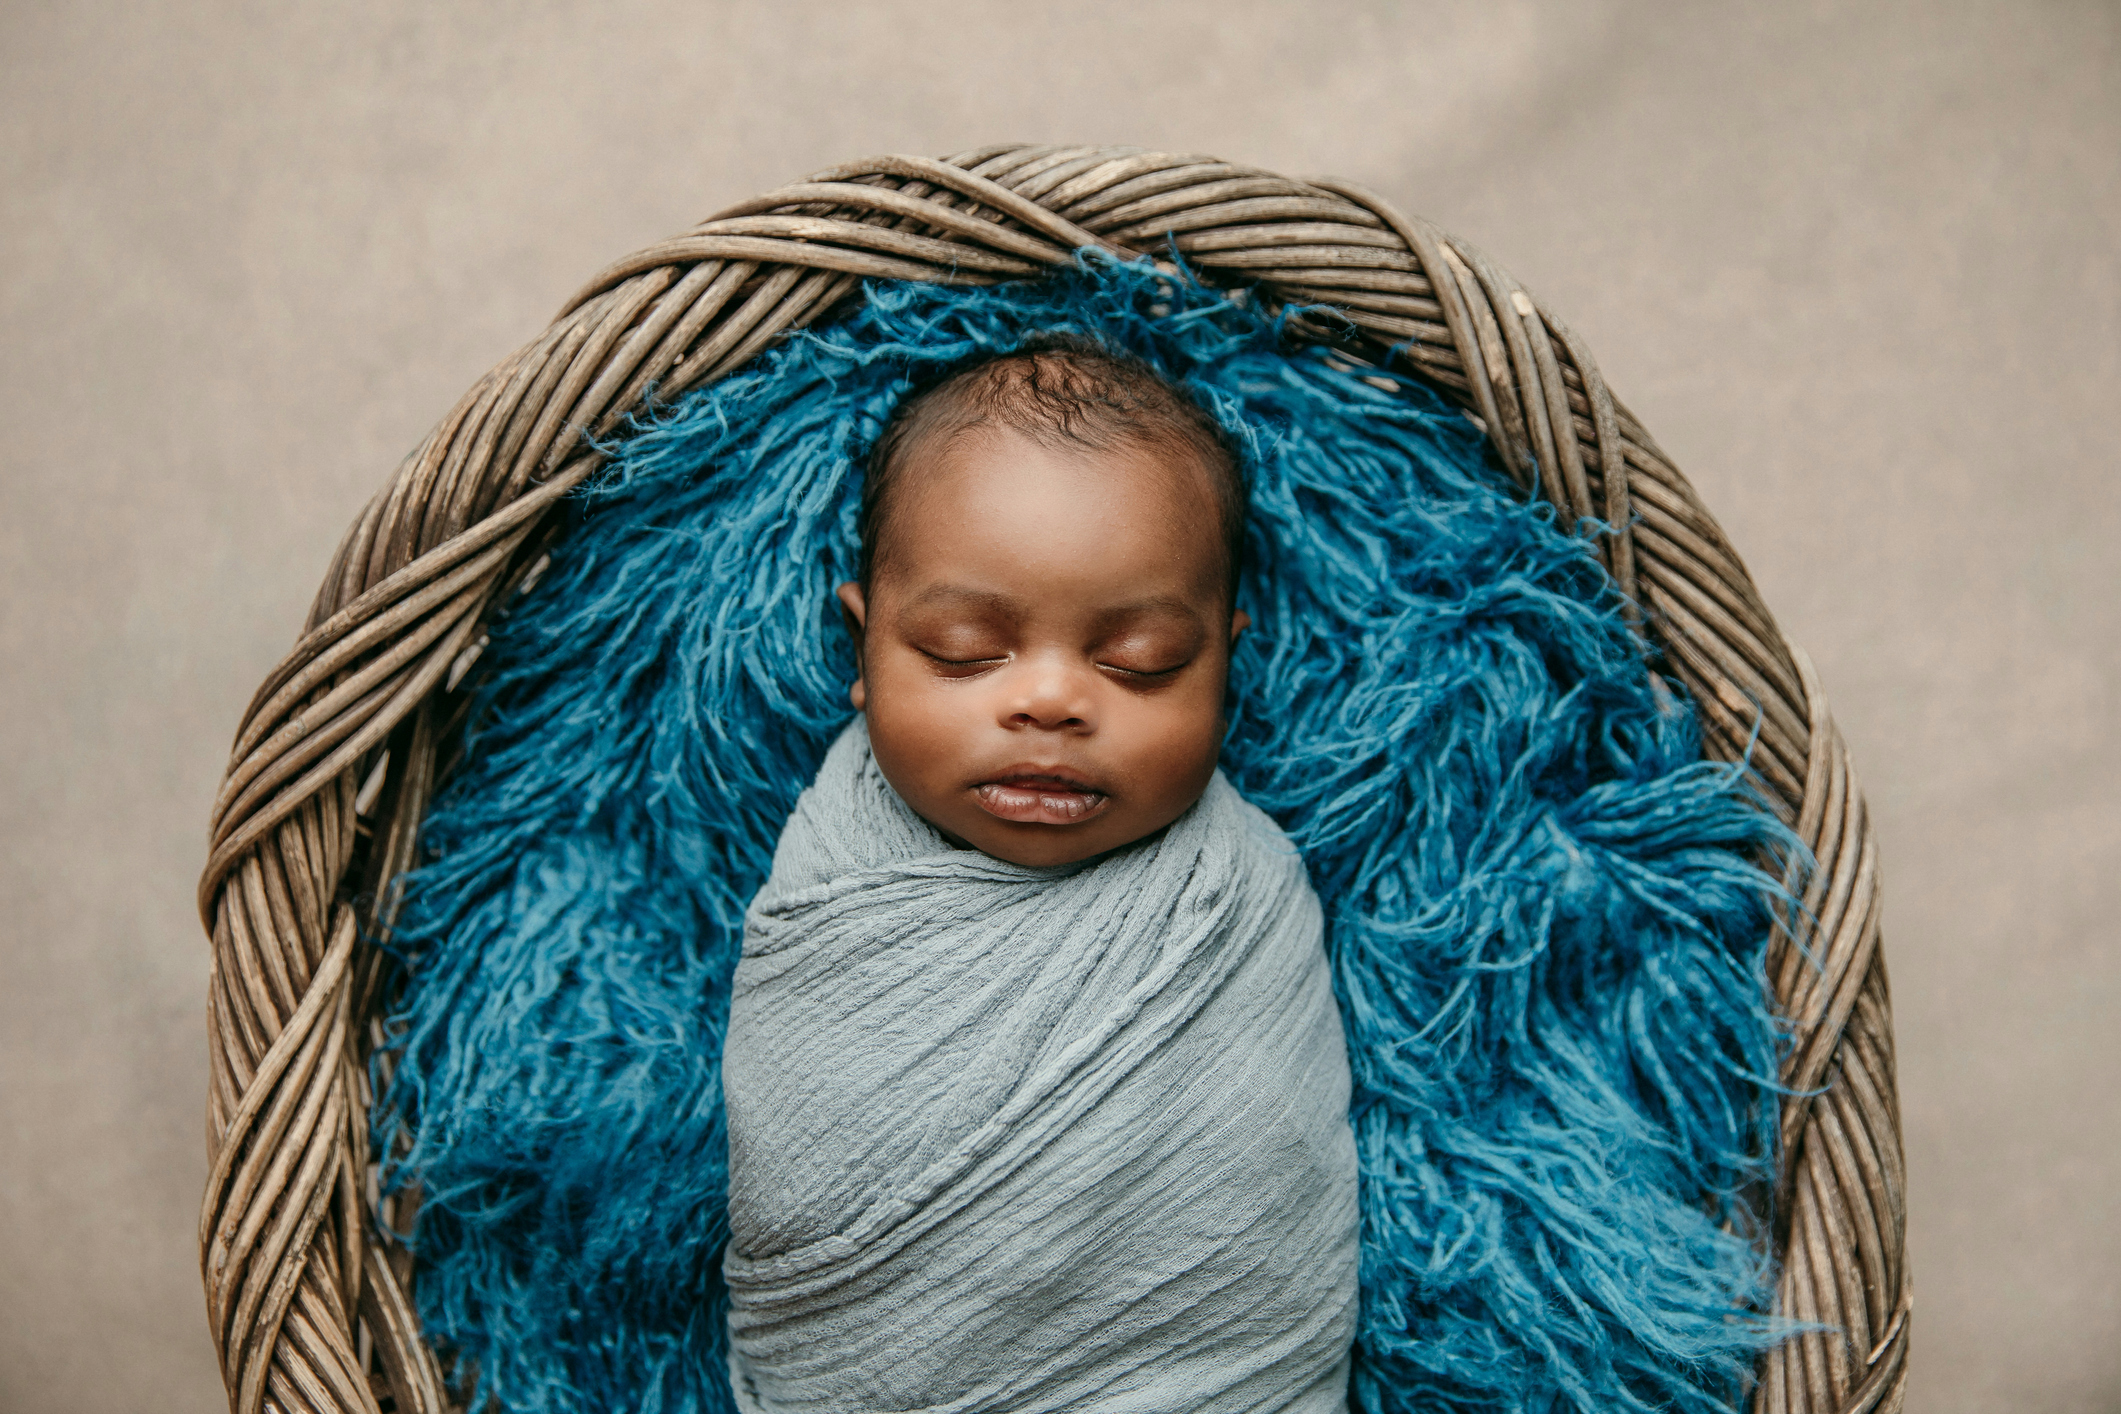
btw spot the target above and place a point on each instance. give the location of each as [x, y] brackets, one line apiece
[1037, 799]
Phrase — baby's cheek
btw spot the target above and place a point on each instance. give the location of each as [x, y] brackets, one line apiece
[919, 738]
[1173, 753]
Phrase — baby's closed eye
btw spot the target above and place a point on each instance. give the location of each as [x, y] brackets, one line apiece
[1140, 666]
[959, 642]
[963, 657]
[1155, 654]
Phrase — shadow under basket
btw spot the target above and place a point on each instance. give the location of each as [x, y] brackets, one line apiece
[310, 1301]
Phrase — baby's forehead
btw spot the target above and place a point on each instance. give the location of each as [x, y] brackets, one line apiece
[1008, 504]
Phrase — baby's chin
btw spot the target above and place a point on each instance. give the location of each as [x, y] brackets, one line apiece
[1045, 846]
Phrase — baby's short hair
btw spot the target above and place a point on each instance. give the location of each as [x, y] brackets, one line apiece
[1059, 390]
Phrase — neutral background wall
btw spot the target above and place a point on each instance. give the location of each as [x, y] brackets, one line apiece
[1855, 265]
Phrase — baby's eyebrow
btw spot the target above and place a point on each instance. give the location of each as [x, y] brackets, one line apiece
[965, 599]
[958, 596]
[1159, 604]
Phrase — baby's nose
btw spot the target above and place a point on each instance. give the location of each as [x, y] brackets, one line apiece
[1051, 697]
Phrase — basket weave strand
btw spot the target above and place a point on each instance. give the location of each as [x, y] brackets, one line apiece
[309, 1300]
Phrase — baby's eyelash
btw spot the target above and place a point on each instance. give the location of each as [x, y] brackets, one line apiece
[960, 662]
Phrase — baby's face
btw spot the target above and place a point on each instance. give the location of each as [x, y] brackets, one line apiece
[1045, 642]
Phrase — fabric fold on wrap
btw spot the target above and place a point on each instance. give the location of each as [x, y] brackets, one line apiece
[1031, 1139]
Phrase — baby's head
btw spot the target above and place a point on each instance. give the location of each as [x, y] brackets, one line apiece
[1050, 548]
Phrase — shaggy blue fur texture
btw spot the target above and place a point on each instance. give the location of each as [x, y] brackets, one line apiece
[1545, 933]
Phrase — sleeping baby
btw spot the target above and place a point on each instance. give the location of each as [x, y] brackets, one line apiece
[1036, 1091]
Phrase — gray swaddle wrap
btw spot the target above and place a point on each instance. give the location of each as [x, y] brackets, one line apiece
[1007, 1138]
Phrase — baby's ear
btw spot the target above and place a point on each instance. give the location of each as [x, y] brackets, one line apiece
[854, 609]
[1239, 622]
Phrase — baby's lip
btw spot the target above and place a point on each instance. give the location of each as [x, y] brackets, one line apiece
[1040, 795]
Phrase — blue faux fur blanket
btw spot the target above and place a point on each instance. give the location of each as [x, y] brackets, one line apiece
[1544, 930]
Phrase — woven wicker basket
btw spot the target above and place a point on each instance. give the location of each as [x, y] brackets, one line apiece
[336, 757]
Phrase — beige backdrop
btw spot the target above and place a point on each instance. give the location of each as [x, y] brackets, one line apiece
[1854, 265]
